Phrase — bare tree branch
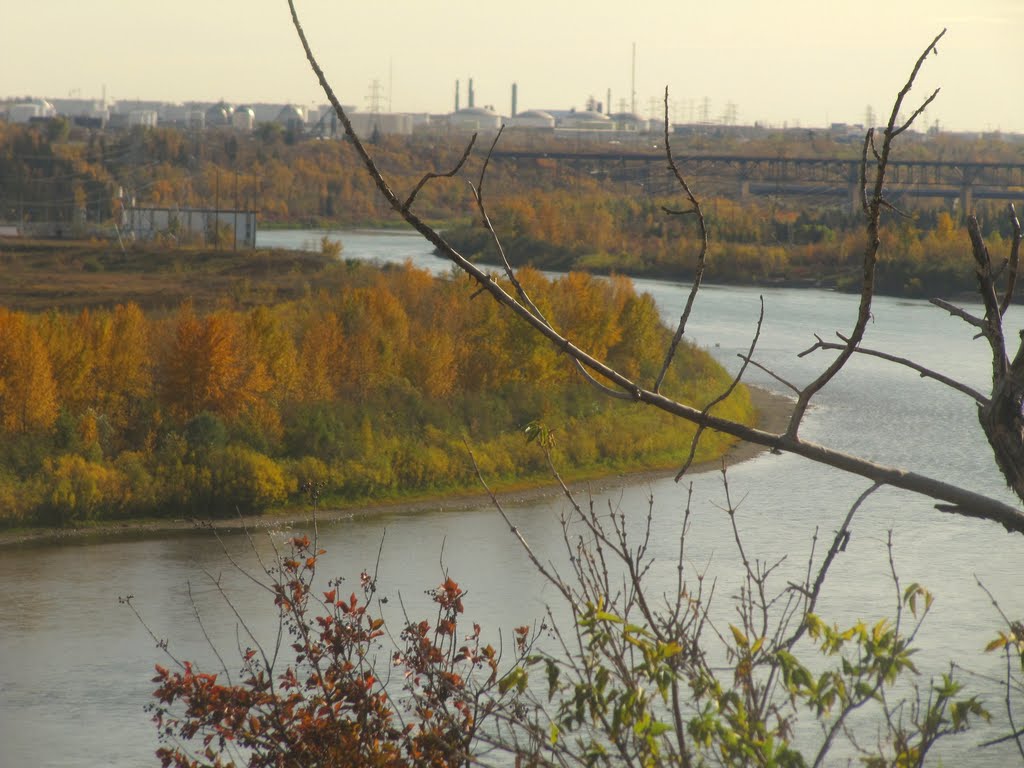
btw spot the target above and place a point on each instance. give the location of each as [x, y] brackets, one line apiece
[956, 311]
[771, 373]
[698, 273]
[839, 542]
[924, 372]
[435, 175]
[873, 208]
[728, 391]
[552, 577]
[1014, 261]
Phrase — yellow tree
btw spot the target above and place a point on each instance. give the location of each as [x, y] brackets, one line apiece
[28, 392]
[69, 347]
[322, 358]
[123, 373]
[377, 329]
[204, 367]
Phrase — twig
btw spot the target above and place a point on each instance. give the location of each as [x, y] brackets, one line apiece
[434, 175]
[1014, 261]
[925, 373]
[728, 391]
[553, 578]
[839, 542]
[698, 273]
[770, 372]
[956, 311]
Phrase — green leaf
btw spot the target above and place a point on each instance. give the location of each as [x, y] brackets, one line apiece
[516, 678]
[659, 728]
[739, 637]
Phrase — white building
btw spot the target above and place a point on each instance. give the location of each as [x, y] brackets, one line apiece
[630, 122]
[143, 223]
[387, 124]
[475, 119]
[532, 118]
[243, 119]
[145, 117]
[25, 111]
[586, 120]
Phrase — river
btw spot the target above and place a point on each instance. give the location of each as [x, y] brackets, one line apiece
[75, 665]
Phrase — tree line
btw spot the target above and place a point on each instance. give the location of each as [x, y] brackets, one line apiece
[366, 393]
[756, 242]
[551, 216]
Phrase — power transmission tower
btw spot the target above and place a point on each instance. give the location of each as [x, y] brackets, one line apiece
[373, 98]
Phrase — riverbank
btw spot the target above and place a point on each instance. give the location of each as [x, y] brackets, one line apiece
[773, 412]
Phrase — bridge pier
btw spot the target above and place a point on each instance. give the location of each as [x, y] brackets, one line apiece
[966, 200]
[854, 196]
[744, 188]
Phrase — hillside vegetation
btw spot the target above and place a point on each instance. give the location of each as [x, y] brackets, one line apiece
[363, 388]
[551, 213]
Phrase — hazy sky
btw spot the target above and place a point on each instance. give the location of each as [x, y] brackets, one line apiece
[810, 62]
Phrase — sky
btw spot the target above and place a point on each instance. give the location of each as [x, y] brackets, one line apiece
[779, 62]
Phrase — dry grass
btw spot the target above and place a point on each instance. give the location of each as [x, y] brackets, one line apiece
[41, 275]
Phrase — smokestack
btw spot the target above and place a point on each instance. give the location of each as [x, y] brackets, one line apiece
[515, 90]
[456, 95]
[471, 103]
[608, 101]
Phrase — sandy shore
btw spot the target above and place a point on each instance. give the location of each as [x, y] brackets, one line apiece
[773, 414]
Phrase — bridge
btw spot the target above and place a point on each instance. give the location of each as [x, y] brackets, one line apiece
[954, 180]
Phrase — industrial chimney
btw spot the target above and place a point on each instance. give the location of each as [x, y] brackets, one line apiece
[456, 95]
[515, 89]
[471, 103]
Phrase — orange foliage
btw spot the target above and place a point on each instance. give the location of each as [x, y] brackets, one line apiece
[28, 392]
[329, 706]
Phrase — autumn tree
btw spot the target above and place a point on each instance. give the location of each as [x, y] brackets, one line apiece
[28, 391]
[207, 368]
[330, 701]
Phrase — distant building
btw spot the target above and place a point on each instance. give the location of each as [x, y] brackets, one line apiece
[243, 119]
[630, 122]
[585, 120]
[218, 116]
[146, 118]
[234, 227]
[475, 119]
[27, 111]
[386, 124]
[79, 108]
[291, 117]
[532, 118]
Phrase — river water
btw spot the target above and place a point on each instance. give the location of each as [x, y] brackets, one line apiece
[75, 665]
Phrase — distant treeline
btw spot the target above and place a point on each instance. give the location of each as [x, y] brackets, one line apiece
[548, 213]
[925, 255]
[366, 393]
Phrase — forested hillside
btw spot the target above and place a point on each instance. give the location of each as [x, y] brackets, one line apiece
[550, 214]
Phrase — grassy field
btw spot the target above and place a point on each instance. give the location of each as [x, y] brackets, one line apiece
[42, 275]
